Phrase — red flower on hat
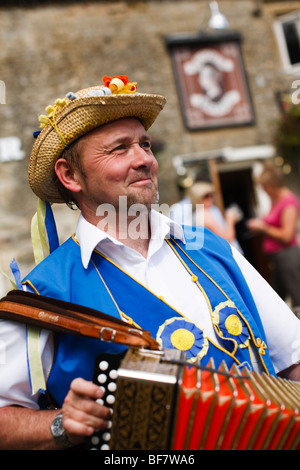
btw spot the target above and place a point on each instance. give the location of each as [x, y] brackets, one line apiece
[107, 79]
[119, 84]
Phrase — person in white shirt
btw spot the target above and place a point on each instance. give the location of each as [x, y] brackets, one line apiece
[111, 159]
[199, 208]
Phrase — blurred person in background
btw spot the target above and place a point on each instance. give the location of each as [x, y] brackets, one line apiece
[279, 228]
[202, 197]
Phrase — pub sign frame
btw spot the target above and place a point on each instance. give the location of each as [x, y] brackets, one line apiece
[211, 80]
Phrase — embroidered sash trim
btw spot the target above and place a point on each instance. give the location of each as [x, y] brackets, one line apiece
[260, 345]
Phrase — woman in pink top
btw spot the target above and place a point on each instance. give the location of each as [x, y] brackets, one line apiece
[280, 230]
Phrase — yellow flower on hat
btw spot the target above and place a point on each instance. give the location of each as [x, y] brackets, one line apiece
[59, 103]
[52, 110]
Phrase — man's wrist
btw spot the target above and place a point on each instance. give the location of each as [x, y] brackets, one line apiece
[58, 432]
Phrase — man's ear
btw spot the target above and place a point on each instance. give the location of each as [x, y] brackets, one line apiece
[68, 177]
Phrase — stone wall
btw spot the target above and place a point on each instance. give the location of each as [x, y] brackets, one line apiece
[49, 50]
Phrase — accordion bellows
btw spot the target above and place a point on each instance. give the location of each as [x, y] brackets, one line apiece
[164, 405]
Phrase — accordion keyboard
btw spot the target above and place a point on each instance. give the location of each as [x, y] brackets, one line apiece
[105, 375]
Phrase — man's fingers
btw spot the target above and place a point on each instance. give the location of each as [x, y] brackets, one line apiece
[82, 387]
[82, 413]
[77, 428]
[83, 399]
[83, 424]
[91, 414]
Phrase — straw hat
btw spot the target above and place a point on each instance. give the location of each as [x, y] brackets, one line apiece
[77, 114]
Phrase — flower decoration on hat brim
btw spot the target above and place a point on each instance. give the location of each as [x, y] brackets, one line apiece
[119, 85]
[183, 334]
[229, 323]
[51, 111]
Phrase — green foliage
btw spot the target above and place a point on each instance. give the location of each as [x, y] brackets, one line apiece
[287, 133]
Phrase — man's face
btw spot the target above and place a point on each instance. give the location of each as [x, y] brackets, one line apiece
[116, 160]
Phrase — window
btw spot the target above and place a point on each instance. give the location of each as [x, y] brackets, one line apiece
[287, 30]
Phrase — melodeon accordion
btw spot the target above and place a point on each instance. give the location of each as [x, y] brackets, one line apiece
[163, 403]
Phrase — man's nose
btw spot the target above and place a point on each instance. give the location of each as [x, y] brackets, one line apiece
[142, 157]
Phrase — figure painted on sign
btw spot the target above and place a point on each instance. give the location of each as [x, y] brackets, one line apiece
[211, 67]
[211, 81]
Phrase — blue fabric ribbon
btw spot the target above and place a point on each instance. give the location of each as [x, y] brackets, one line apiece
[51, 228]
[17, 274]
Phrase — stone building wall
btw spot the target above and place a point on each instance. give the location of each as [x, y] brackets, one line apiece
[52, 48]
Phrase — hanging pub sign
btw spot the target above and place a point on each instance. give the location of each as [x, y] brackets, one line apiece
[211, 80]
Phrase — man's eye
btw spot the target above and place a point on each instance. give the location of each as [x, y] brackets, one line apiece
[146, 145]
[119, 147]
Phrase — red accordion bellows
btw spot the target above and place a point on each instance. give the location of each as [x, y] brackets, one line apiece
[164, 403]
[219, 412]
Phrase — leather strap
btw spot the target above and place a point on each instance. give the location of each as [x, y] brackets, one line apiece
[66, 317]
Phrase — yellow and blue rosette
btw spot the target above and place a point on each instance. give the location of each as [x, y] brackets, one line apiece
[229, 324]
[185, 335]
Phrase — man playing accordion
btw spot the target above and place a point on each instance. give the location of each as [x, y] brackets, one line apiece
[189, 288]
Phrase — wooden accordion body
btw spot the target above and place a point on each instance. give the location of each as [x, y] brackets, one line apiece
[163, 404]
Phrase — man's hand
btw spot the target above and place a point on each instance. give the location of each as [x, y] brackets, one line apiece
[24, 428]
[82, 415]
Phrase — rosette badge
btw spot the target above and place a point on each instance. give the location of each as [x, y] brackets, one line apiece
[229, 324]
[182, 334]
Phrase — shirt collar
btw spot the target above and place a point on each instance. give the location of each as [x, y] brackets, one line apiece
[90, 236]
[162, 226]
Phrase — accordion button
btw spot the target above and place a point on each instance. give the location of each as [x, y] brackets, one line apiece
[103, 365]
[102, 378]
[113, 374]
[95, 440]
[110, 399]
[112, 387]
[104, 447]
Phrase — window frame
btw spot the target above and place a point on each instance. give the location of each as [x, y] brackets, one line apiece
[288, 67]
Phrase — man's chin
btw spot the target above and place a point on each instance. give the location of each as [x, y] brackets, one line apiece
[145, 197]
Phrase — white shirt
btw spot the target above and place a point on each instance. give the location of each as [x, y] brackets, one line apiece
[163, 274]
